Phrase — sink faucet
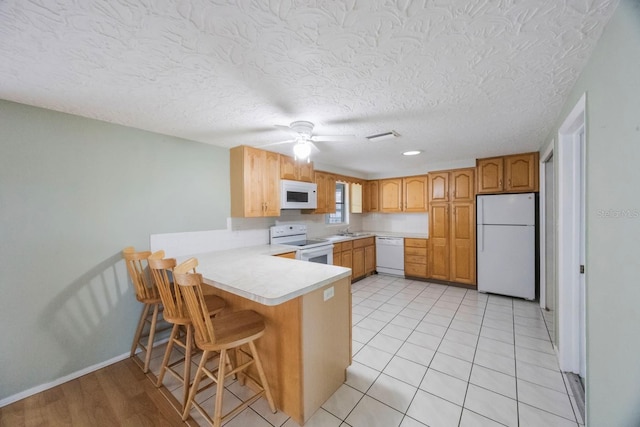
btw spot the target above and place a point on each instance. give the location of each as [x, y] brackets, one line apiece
[346, 230]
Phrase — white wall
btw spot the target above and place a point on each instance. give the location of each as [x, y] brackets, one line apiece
[612, 83]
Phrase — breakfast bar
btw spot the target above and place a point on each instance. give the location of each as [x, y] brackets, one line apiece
[307, 310]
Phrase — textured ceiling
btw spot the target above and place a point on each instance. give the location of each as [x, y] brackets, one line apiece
[457, 79]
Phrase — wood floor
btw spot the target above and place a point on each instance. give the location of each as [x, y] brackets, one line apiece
[118, 395]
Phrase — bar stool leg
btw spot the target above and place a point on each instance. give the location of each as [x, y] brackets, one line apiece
[194, 387]
[139, 329]
[263, 377]
[152, 333]
[187, 364]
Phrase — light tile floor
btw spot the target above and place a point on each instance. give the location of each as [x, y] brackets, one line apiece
[433, 355]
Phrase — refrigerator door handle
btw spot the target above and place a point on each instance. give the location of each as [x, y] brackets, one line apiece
[480, 219]
[480, 237]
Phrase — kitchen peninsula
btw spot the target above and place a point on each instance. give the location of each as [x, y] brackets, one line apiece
[307, 309]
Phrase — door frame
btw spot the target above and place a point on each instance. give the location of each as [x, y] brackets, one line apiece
[568, 237]
[544, 158]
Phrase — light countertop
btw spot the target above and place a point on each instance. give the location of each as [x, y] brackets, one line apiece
[365, 234]
[256, 274]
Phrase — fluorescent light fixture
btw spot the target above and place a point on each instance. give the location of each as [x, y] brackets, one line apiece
[302, 150]
[383, 136]
[411, 153]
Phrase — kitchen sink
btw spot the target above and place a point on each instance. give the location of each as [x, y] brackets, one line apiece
[357, 234]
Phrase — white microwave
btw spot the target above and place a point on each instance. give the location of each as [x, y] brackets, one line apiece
[298, 195]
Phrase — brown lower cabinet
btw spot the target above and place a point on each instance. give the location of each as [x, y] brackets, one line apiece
[359, 255]
[415, 258]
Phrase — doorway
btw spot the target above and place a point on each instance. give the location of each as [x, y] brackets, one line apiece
[571, 237]
[548, 287]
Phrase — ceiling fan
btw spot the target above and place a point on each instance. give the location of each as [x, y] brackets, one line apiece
[302, 133]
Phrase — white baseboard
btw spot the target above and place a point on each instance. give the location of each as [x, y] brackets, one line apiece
[42, 387]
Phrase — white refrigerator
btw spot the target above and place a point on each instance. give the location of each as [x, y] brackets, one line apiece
[506, 244]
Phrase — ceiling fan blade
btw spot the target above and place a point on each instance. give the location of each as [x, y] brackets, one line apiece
[278, 143]
[287, 129]
[336, 138]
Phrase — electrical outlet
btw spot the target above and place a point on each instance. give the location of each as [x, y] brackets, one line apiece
[328, 293]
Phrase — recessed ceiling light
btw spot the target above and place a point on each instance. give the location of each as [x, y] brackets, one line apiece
[411, 153]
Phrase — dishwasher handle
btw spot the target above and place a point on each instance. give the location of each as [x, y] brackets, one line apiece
[390, 241]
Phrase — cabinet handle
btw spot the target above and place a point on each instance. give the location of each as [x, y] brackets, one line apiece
[509, 183]
[500, 183]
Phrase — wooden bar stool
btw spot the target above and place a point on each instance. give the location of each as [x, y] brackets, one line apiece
[221, 334]
[175, 312]
[147, 294]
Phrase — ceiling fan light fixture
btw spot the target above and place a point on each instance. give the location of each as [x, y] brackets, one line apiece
[383, 136]
[412, 153]
[302, 150]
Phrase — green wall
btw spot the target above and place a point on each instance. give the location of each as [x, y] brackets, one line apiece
[73, 193]
[611, 80]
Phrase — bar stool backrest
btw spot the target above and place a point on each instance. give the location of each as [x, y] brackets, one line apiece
[137, 263]
[191, 288]
[175, 310]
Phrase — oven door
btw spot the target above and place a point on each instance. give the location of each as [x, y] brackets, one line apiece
[320, 254]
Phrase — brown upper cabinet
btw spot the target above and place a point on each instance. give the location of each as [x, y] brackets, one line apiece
[407, 194]
[451, 186]
[326, 192]
[508, 174]
[371, 196]
[255, 182]
[295, 171]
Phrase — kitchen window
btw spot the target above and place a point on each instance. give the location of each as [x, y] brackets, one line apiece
[340, 216]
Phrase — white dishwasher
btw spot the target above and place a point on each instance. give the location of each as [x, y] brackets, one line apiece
[390, 255]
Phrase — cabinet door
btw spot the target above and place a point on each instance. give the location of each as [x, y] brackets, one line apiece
[521, 172]
[337, 258]
[439, 187]
[439, 241]
[271, 184]
[462, 185]
[374, 196]
[369, 259]
[356, 198]
[321, 181]
[391, 195]
[415, 193]
[304, 172]
[254, 165]
[347, 260]
[490, 174]
[358, 263]
[331, 194]
[463, 243]
[288, 168]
